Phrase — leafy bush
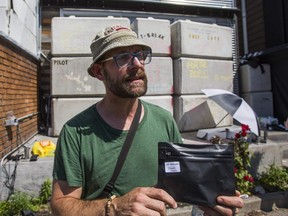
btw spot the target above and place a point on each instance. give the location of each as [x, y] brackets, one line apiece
[244, 180]
[274, 179]
[22, 201]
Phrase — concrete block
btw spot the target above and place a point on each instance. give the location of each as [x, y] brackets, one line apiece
[189, 38]
[64, 109]
[32, 4]
[194, 112]
[29, 41]
[26, 15]
[160, 76]
[264, 155]
[4, 20]
[69, 76]
[192, 74]
[163, 101]
[261, 103]
[154, 32]
[5, 3]
[16, 28]
[254, 79]
[31, 22]
[73, 36]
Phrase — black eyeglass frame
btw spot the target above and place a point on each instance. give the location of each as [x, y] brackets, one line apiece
[131, 60]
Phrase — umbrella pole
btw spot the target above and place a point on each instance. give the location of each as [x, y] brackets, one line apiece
[221, 120]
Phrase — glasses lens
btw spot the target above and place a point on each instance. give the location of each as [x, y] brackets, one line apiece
[123, 59]
[126, 59]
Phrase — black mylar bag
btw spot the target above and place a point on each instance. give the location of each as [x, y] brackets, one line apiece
[196, 173]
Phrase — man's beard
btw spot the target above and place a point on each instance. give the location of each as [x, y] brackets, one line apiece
[125, 89]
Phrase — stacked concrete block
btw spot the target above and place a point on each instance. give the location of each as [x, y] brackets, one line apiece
[193, 112]
[199, 39]
[72, 36]
[165, 101]
[64, 109]
[154, 32]
[193, 74]
[256, 88]
[69, 77]
[202, 58]
[160, 76]
[261, 102]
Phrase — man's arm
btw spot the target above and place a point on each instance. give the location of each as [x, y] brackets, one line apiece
[66, 200]
[140, 201]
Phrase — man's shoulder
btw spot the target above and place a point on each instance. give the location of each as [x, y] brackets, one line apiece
[84, 115]
[156, 109]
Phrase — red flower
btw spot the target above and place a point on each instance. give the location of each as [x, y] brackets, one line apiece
[251, 179]
[245, 127]
[237, 135]
[246, 178]
[244, 133]
[235, 170]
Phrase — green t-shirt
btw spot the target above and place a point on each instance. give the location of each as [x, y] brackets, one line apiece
[88, 148]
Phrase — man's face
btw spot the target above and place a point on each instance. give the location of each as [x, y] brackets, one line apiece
[125, 82]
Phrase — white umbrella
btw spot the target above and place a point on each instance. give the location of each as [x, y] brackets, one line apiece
[235, 106]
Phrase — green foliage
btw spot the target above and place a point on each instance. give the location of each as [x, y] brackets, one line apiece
[45, 191]
[244, 180]
[21, 201]
[17, 202]
[274, 179]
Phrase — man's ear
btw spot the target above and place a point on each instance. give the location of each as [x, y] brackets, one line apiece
[97, 70]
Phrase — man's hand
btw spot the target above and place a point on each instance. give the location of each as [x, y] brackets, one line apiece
[228, 206]
[143, 201]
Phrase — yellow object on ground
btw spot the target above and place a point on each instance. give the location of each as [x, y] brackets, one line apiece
[43, 148]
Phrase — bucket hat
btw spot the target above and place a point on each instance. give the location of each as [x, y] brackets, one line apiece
[111, 38]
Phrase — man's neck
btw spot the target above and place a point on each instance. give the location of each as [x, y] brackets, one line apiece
[118, 112]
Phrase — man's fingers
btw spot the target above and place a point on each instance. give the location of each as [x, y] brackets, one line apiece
[159, 194]
[230, 201]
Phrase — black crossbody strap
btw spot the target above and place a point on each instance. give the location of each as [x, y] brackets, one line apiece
[124, 151]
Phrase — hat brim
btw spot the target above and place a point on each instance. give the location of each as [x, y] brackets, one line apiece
[112, 45]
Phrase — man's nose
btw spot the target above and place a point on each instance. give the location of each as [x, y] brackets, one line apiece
[136, 62]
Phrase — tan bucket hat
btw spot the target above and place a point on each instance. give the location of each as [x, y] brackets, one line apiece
[113, 37]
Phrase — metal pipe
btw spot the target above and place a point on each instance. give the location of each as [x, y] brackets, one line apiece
[18, 147]
[244, 26]
[27, 116]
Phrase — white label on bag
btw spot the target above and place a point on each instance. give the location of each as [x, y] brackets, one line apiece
[172, 167]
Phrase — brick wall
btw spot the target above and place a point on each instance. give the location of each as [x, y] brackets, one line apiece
[19, 94]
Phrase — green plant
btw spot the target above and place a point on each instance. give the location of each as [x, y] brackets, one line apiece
[22, 201]
[274, 179]
[17, 202]
[244, 180]
[45, 191]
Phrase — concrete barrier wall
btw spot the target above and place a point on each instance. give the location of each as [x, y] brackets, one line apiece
[168, 78]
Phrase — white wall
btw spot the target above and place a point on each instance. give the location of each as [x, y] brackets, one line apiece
[19, 22]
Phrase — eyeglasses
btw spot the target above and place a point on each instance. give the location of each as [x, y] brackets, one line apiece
[127, 59]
